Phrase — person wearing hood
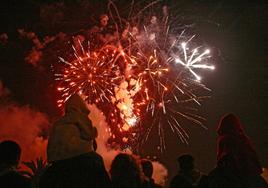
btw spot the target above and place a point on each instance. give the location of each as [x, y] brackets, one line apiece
[72, 134]
[237, 162]
[72, 159]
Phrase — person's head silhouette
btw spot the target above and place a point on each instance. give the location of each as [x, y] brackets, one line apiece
[10, 153]
[186, 162]
[147, 168]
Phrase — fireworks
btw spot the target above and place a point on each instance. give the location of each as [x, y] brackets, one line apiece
[139, 77]
[191, 62]
[93, 75]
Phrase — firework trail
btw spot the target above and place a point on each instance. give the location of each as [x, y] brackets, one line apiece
[145, 73]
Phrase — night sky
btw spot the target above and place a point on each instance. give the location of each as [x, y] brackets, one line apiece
[235, 31]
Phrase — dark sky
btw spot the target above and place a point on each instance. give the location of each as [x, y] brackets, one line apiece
[237, 33]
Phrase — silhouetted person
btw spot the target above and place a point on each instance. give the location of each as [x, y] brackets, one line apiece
[125, 172]
[83, 171]
[10, 153]
[73, 134]
[74, 163]
[237, 162]
[147, 168]
[187, 176]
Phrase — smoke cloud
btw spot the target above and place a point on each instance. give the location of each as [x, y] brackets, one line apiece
[24, 125]
[160, 173]
[98, 119]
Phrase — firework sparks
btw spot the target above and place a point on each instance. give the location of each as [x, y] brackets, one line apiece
[193, 61]
[134, 80]
[168, 91]
[93, 75]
